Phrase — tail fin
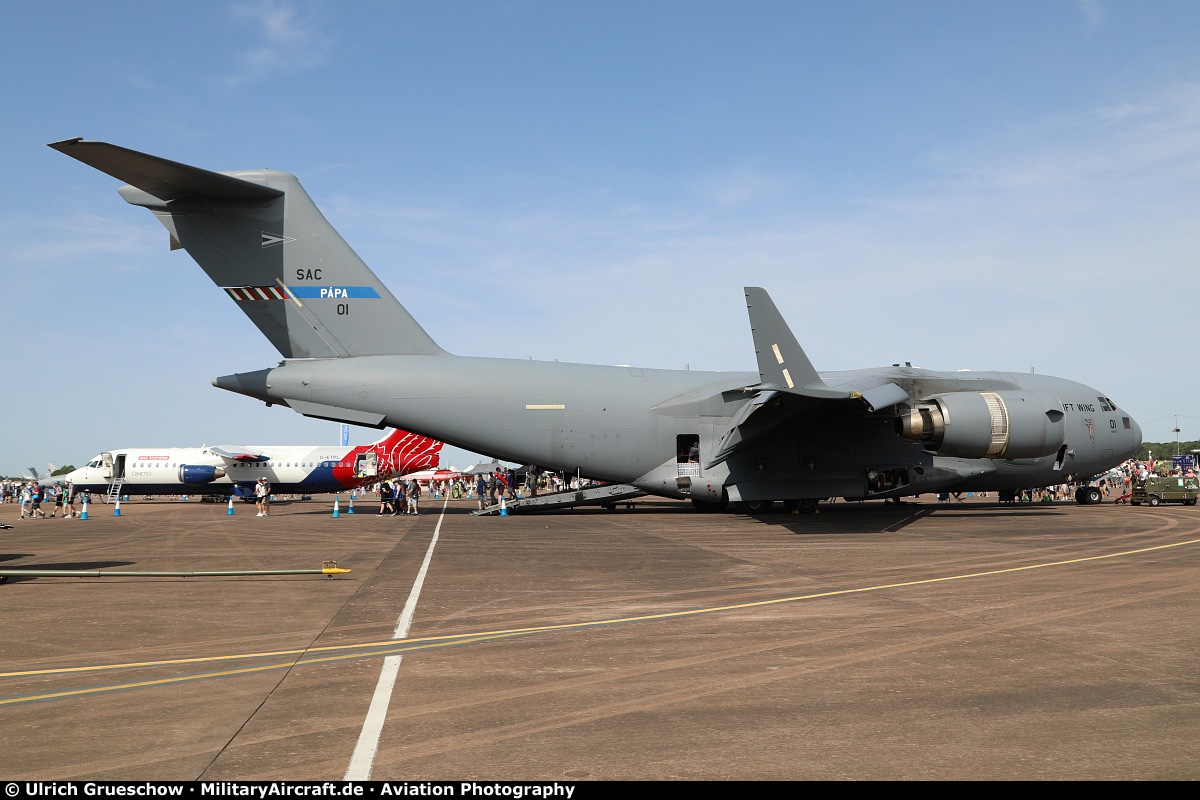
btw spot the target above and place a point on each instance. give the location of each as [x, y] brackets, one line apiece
[260, 237]
[408, 452]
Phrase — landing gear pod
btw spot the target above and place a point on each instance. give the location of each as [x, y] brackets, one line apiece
[1016, 424]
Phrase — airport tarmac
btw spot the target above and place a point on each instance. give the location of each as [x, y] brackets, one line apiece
[867, 642]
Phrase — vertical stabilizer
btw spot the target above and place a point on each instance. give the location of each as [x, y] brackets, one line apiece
[260, 237]
[409, 452]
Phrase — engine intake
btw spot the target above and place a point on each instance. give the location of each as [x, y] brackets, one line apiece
[1017, 424]
[199, 474]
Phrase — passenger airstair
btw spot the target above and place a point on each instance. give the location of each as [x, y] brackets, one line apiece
[608, 495]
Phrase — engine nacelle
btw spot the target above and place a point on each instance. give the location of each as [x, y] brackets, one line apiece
[199, 474]
[1017, 424]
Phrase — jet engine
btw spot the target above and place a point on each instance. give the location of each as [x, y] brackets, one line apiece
[199, 474]
[1009, 424]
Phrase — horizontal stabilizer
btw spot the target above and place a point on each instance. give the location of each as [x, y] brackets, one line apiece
[166, 180]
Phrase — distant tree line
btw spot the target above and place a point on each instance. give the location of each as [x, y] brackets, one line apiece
[1164, 450]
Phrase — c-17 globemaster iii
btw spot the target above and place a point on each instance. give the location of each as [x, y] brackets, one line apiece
[785, 432]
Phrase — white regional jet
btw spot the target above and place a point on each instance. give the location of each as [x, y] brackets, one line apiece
[233, 470]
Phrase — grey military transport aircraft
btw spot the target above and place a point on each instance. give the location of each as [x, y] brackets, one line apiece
[785, 432]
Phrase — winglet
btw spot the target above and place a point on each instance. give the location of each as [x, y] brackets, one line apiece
[782, 363]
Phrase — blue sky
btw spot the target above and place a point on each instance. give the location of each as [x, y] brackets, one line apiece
[1006, 185]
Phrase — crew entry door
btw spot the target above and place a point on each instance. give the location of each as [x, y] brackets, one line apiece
[367, 465]
[687, 455]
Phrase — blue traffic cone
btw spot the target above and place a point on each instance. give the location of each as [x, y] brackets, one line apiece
[230, 511]
[503, 507]
[336, 513]
[350, 510]
[83, 515]
[117, 508]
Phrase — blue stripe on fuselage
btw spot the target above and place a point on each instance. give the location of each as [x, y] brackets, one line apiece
[333, 292]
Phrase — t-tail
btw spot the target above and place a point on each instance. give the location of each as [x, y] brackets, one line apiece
[260, 237]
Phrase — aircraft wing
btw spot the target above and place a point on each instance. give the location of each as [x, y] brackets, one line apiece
[242, 455]
[788, 383]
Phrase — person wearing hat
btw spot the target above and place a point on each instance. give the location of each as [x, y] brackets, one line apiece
[262, 491]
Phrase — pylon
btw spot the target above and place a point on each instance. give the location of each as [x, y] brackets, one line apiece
[336, 513]
[83, 514]
[117, 508]
[230, 511]
[503, 507]
[350, 509]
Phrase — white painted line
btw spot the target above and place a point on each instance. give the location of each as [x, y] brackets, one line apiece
[368, 738]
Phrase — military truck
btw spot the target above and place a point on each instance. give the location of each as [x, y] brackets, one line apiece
[1155, 489]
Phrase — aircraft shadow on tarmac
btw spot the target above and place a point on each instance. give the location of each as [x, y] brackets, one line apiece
[842, 518]
[855, 518]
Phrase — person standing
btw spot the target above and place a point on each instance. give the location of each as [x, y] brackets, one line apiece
[481, 491]
[414, 493]
[37, 495]
[68, 501]
[26, 499]
[386, 499]
[58, 499]
[262, 497]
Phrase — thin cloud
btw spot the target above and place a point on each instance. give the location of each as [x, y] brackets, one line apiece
[287, 39]
[1093, 13]
[741, 187]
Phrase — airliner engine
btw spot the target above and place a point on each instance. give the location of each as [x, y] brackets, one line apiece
[199, 474]
[1010, 424]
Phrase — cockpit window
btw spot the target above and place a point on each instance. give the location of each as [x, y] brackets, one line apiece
[1106, 404]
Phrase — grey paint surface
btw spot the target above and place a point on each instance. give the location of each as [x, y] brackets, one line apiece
[354, 353]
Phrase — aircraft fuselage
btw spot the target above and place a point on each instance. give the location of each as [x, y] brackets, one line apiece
[630, 425]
